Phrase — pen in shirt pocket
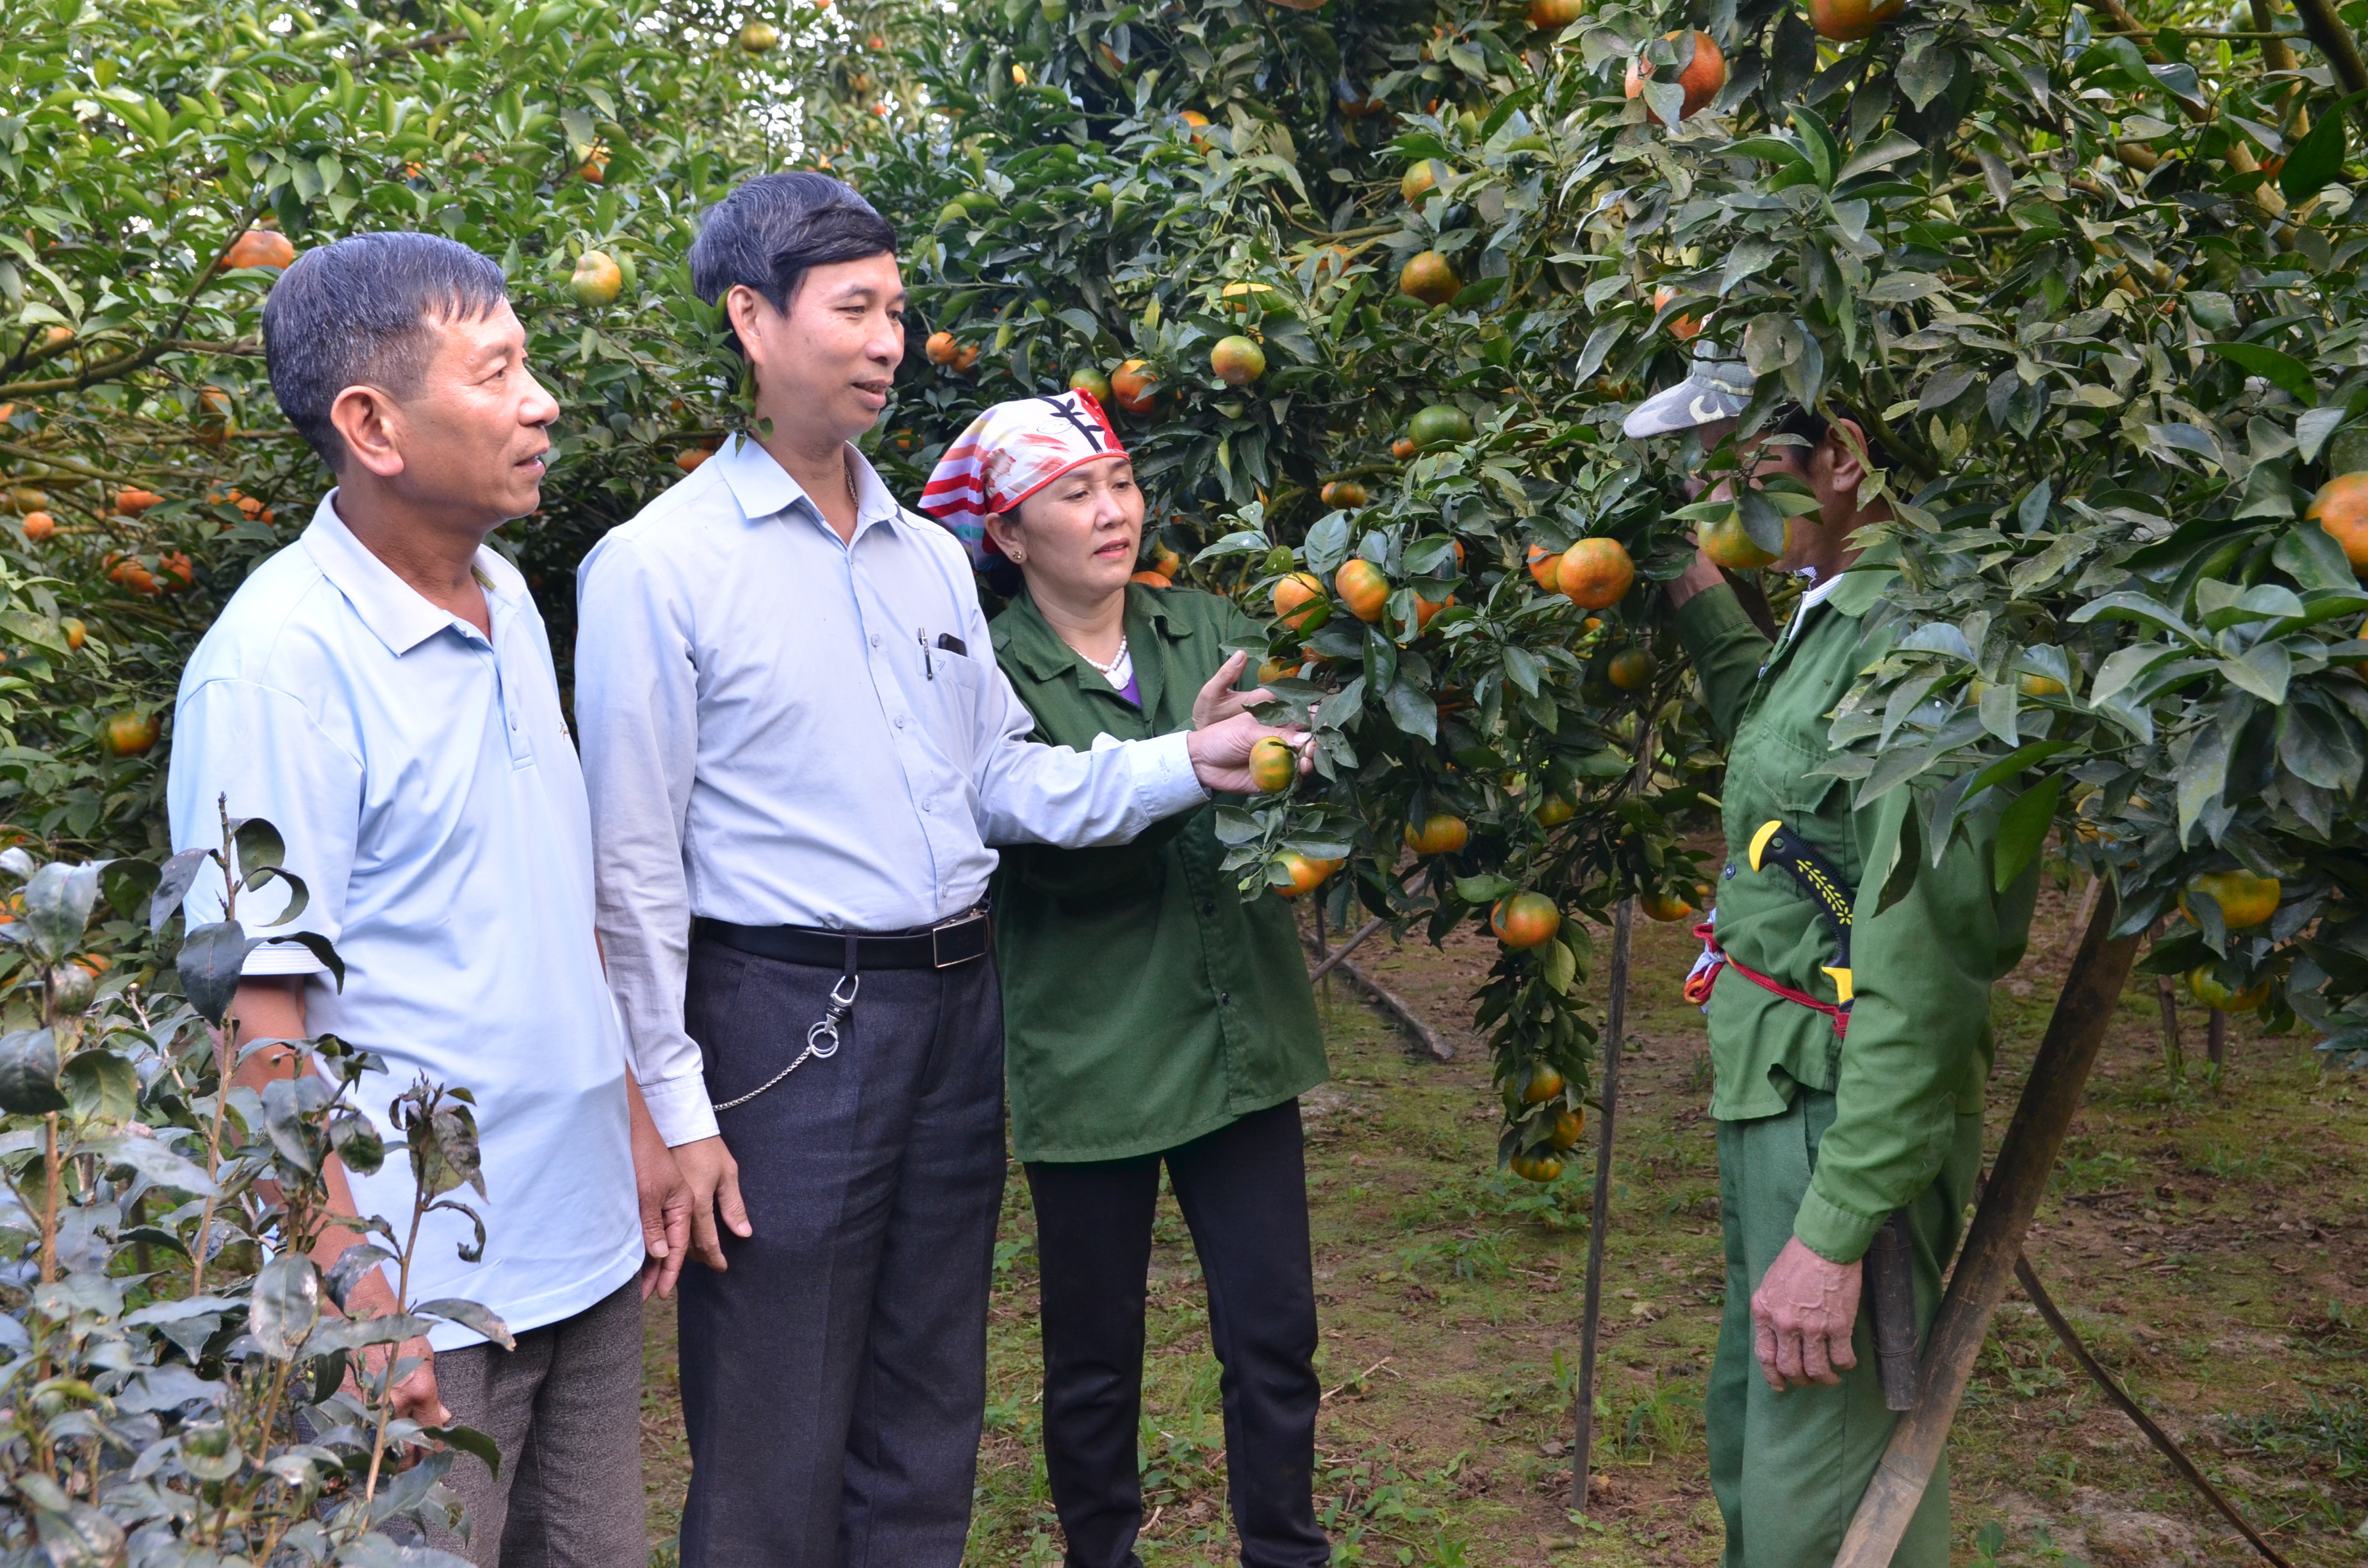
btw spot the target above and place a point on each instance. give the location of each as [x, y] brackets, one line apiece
[921, 634]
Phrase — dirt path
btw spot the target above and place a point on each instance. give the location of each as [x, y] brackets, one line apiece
[2210, 1243]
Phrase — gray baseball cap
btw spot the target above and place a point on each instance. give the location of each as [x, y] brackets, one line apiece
[1712, 390]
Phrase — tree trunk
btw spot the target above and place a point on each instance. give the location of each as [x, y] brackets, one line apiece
[1615, 1027]
[2215, 1040]
[2050, 1096]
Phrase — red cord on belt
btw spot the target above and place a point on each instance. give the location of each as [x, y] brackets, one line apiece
[1698, 985]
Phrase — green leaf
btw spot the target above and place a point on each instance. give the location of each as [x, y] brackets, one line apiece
[2280, 371]
[1886, 149]
[28, 1073]
[2315, 160]
[2023, 830]
[1412, 710]
[1818, 144]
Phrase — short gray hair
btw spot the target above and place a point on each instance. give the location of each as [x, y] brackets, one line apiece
[774, 230]
[356, 314]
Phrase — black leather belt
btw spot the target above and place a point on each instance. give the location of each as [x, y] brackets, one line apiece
[958, 941]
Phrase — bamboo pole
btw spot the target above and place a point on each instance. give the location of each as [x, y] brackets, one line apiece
[2100, 969]
[2333, 40]
[1615, 1028]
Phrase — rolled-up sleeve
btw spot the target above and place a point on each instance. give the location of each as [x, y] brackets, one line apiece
[637, 712]
[254, 751]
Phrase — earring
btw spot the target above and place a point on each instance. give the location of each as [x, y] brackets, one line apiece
[1016, 556]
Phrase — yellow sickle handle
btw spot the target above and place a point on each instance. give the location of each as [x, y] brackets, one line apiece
[1759, 841]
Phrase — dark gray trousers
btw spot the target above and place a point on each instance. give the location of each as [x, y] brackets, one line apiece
[566, 1409]
[833, 1377]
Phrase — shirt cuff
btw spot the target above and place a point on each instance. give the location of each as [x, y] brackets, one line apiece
[283, 957]
[1164, 779]
[680, 1109]
[1833, 1232]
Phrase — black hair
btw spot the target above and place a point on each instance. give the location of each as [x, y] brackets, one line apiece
[1813, 426]
[356, 314]
[774, 230]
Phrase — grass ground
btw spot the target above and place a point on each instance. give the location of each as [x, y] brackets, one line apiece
[2206, 1235]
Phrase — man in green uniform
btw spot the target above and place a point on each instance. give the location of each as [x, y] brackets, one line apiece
[1835, 1107]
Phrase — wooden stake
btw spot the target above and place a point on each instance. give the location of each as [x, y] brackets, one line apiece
[2101, 970]
[1615, 1028]
[2174, 1055]
[2215, 1038]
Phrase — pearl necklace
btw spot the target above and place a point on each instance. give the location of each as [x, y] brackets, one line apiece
[1108, 670]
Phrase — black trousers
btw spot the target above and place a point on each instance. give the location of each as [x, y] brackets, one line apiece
[834, 1377]
[1243, 1190]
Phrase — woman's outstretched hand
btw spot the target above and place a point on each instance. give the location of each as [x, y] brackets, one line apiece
[1218, 699]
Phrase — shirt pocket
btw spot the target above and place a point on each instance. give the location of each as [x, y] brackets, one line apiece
[954, 686]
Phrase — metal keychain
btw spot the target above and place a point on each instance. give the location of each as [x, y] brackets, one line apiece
[822, 1036]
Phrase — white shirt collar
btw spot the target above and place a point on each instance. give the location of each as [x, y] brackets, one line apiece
[396, 613]
[764, 488]
[1810, 599]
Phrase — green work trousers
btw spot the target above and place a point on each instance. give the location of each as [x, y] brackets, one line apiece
[1788, 1469]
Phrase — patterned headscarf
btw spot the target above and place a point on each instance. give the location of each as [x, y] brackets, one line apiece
[1011, 452]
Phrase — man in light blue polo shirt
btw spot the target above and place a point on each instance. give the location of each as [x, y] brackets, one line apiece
[381, 690]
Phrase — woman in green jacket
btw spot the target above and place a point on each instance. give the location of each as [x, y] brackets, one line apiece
[1151, 1018]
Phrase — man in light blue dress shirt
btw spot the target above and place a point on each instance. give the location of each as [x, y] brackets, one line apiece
[799, 750]
[381, 690]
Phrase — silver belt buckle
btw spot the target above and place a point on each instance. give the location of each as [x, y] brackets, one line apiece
[938, 959]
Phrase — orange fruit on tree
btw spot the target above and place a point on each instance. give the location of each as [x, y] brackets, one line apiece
[1525, 920]
[131, 502]
[1273, 764]
[1243, 298]
[940, 348]
[1362, 588]
[1237, 361]
[1442, 833]
[690, 457]
[127, 571]
[1595, 574]
[1703, 76]
[1305, 873]
[1345, 493]
[1150, 579]
[1274, 670]
[595, 169]
[1544, 568]
[1846, 21]
[2342, 508]
[1727, 544]
[2244, 899]
[1428, 277]
[1555, 811]
[76, 632]
[259, 247]
[1404, 447]
[1425, 608]
[596, 280]
[1297, 597]
[1090, 380]
[175, 572]
[40, 526]
[128, 735]
[1551, 16]
[2208, 989]
[758, 38]
[1134, 387]
[1165, 562]
[1631, 669]
[1665, 906]
[2039, 685]
[1568, 1125]
[1681, 327]
[965, 356]
[1419, 181]
[1544, 1083]
[1536, 1167]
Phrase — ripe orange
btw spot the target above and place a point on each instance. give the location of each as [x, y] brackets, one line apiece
[2244, 899]
[1296, 598]
[40, 526]
[940, 348]
[1362, 588]
[131, 502]
[965, 356]
[1544, 1083]
[1727, 543]
[1419, 181]
[1536, 1167]
[595, 170]
[1525, 920]
[1273, 764]
[2039, 685]
[1595, 573]
[596, 280]
[1665, 906]
[1442, 833]
[1428, 277]
[1403, 447]
[1274, 670]
[1134, 387]
[1681, 327]
[75, 631]
[2342, 508]
[1567, 1127]
[1305, 873]
[1237, 361]
[1165, 562]
[259, 247]
[1549, 16]
[1631, 669]
[1193, 120]
[1345, 493]
[1153, 579]
[128, 735]
[1425, 608]
[690, 457]
[1545, 565]
[1702, 78]
[2208, 990]
[1245, 298]
[1846, 21]
[1555, 811]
